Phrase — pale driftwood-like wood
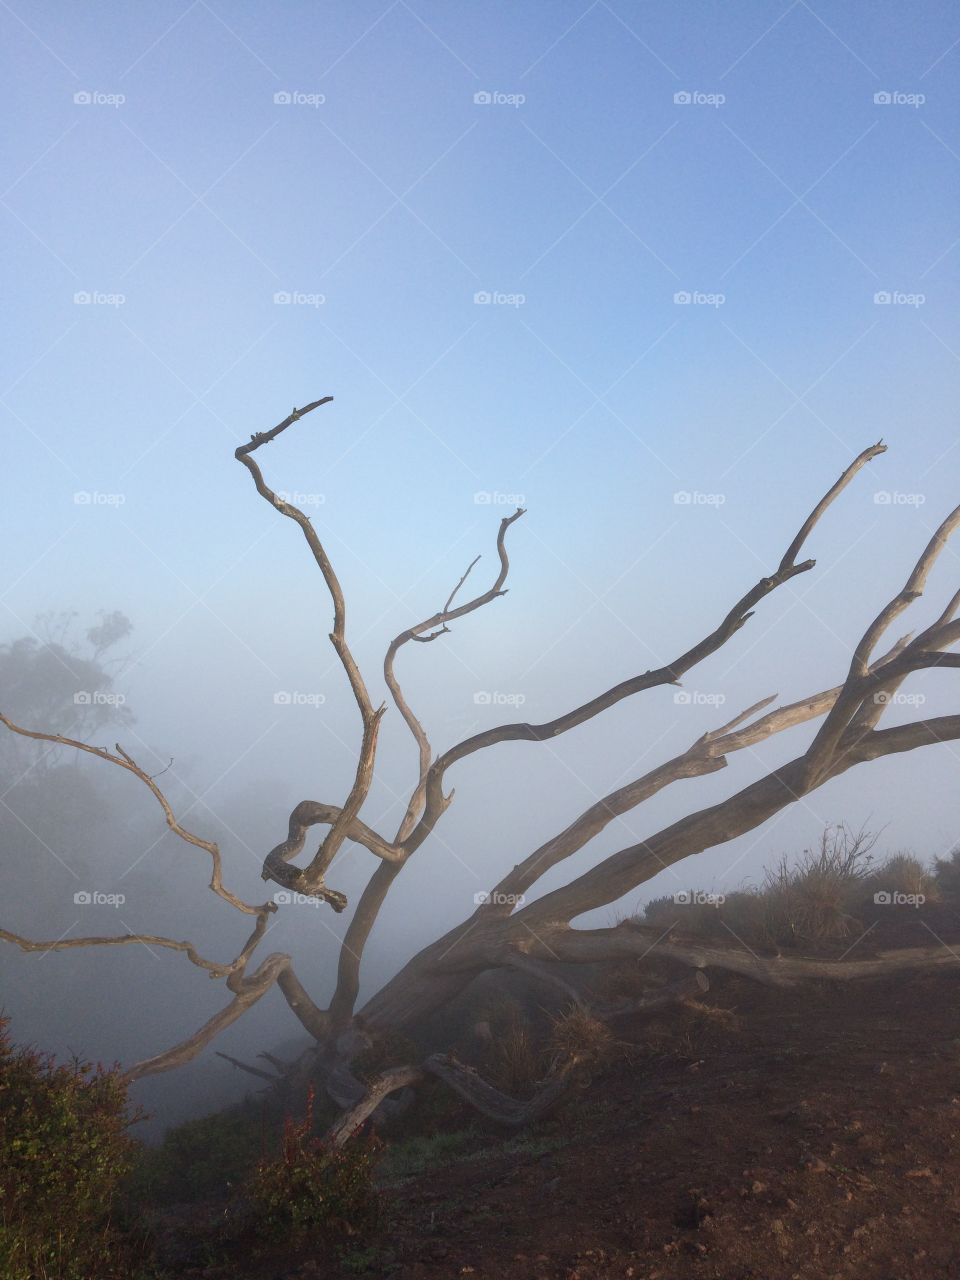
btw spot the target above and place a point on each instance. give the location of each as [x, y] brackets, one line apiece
[125, 761]
[631, 940]
[253, 989]
[311, 878]
[467, 1082]
[117, 940]
[737, 617]
[509, 929]
[388, 1082]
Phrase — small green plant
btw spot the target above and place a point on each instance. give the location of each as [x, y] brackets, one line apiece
[314, 1189]
[65, 1152]
[428, 1151]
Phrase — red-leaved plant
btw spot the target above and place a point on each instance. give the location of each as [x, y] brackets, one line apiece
[313, 1188]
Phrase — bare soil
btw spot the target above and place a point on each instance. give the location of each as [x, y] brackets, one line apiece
[817, 1139]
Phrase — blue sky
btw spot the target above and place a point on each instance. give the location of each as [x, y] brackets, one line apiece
[779, 164]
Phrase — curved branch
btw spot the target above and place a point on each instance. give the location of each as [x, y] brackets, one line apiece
[670, 674]
[309, 813]
[848, 711]
[125, 761]
[440, 619]
[254, 987]
[313, 874]
[718, 824]
[630, 939]
[116, 940]
[707, 755]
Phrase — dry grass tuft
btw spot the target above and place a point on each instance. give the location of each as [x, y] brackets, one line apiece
[577, 1036]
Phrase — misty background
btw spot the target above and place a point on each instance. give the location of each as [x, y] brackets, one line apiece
[655, 273]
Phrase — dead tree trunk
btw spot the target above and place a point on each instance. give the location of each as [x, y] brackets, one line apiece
[511, 927]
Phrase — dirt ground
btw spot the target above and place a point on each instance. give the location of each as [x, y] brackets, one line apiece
[819, 1140]
[808, 1134]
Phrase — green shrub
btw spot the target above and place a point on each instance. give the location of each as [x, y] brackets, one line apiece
[946, 872]
[64, 1151]
[201, 1158]
[314, 1189]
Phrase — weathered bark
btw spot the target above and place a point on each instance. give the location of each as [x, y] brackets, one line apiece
[509, 930]
[467, 1082]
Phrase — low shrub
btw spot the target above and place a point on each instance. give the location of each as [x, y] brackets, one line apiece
[313, 1189]
[946, 873]
[201, 1158]
[904, 874]
[65, 1152]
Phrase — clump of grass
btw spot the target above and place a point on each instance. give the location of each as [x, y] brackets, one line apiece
[813, 902]
[576, 1036]
[710, 1015]
[512, 1058]
[427, 1151]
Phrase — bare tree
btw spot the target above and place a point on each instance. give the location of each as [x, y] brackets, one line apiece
[507, 931]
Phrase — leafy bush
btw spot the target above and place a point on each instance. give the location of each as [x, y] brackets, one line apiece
[314, 1189]
[946, 872]
[65, 1151]
[200, 1158]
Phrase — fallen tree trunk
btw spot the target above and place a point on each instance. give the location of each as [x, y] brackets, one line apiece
[468, 1083]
